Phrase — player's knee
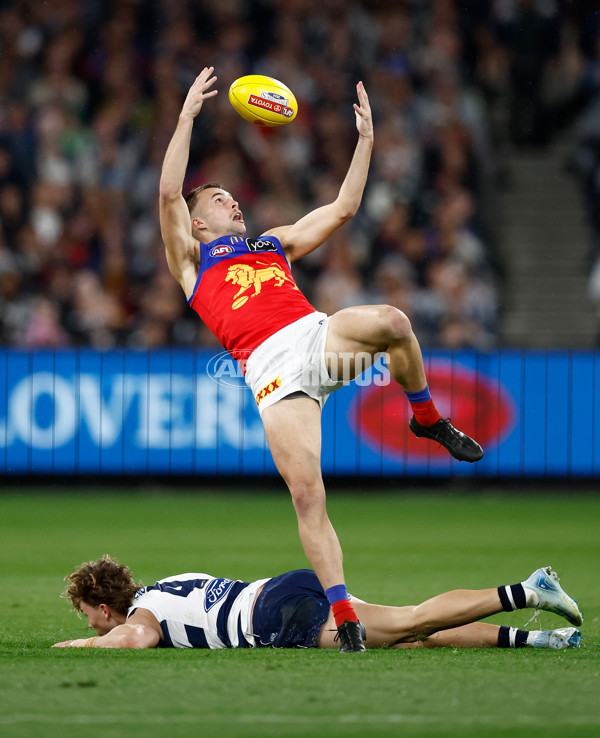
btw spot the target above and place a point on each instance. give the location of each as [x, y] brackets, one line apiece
[308, 498]
[396, 323]
[416, 624]
[404, 625]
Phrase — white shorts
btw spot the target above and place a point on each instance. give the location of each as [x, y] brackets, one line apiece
[292, 360]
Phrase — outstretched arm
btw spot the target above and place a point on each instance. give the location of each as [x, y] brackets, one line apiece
[142, 630]
[123, 636]
[175, 222]
[316, 227]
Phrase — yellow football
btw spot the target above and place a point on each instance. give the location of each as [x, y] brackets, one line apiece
[263, 100]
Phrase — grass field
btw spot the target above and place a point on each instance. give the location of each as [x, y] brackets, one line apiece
[398, 550]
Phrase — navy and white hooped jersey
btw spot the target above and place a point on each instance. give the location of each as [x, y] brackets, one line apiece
[200, 611]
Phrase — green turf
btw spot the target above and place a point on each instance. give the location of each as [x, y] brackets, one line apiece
[398, 550]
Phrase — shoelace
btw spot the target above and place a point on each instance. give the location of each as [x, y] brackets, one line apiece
[336, 637]
[445, 424]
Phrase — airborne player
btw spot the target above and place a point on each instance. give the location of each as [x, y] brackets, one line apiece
[243, 290]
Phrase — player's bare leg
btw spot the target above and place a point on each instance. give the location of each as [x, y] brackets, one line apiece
[473, 635]
[388, 626]
[371, 329]
[293, 430]
[486, 635]
[450, 620]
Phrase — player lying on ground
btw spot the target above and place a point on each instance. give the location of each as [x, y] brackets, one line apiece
[243, 290]
[291, 610]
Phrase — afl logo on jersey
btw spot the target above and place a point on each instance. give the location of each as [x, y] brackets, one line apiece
[221, 250]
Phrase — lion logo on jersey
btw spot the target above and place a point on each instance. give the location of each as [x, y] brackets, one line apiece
[246, 277]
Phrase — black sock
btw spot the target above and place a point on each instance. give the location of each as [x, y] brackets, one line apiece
[512, 597]
[512, 637]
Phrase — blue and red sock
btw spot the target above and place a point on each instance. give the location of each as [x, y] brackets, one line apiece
[423, 407]
[340, 604]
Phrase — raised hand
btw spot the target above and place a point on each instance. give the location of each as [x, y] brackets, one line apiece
[364, 120]
[199, 92]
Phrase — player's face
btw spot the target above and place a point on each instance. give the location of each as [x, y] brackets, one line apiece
[221, 213]
[96, 618]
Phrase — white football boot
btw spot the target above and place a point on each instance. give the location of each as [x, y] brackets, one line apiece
[551, 596]
[559, 639]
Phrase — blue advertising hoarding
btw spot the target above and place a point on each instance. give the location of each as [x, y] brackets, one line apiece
[179, 412]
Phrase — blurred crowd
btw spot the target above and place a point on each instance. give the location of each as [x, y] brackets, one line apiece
[90, 92]
[584, 99]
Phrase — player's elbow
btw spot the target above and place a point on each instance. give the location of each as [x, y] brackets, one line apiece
[168, 190]
[136, 636]
[132, 641]
[346, 210]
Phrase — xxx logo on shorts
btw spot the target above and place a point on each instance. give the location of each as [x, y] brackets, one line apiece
[271, 387]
